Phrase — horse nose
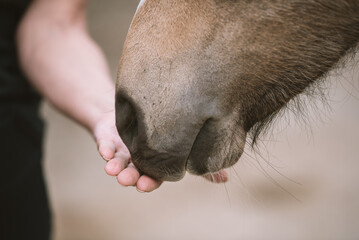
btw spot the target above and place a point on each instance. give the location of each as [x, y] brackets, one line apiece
[157, 164]
[126, 120]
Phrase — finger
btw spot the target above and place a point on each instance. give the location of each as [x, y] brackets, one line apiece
[129, 176]
[118, 163]
[219, 177]
[147, 184]
[106, 149]
[120, 145]
[114, 167]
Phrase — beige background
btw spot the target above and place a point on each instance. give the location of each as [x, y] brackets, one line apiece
[320, 151]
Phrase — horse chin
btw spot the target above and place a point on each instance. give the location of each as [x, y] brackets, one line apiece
[214, 163]
[218, 145]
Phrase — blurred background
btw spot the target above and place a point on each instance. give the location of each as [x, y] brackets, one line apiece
[301, 182]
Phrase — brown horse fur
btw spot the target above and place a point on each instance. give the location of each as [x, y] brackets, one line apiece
[196, 76]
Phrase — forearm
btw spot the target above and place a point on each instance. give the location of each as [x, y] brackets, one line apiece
[69, 69]
[63, 63]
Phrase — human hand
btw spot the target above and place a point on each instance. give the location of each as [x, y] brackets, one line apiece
[114, 151]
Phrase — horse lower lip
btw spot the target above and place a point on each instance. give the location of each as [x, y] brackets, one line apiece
[218, 177]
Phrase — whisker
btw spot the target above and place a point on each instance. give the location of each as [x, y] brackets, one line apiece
[249, 194]
[225, 187]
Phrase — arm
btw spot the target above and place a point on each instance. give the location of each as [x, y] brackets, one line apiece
[69, 69]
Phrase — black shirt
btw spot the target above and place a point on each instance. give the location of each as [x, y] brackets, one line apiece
[13, 84]
[24, 208]
[21, 128]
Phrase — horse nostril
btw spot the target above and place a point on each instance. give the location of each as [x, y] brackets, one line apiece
[126, 120]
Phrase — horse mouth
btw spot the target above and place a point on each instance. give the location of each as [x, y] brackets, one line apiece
[212, 150]
[200, 149]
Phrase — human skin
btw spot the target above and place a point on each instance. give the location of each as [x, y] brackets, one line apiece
[68, 68]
